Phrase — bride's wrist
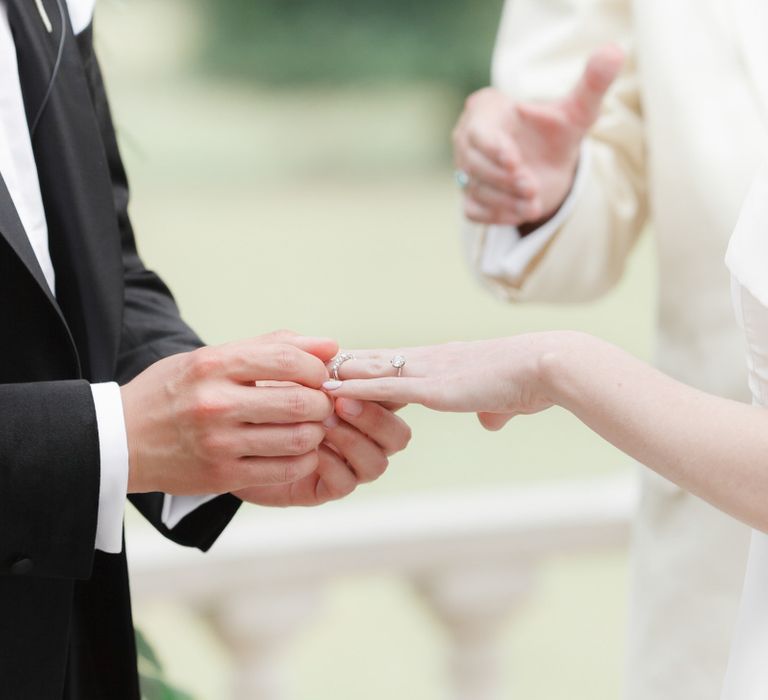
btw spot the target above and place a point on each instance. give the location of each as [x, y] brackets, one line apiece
[565, 358]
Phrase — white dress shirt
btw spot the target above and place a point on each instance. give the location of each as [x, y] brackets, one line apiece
[17, 165]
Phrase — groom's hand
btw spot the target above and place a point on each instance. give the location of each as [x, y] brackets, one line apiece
[197, 423]
[359, 439]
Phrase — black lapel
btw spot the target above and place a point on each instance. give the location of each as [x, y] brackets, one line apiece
[13, 231]
[84, 238]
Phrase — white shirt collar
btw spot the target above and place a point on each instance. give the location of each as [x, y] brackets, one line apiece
[80, 13]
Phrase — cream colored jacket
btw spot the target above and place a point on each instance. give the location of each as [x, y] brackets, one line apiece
[681, 136]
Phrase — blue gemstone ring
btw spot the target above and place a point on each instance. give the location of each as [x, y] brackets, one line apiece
[462, 179]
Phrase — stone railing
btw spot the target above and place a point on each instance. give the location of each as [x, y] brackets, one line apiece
[472, 556]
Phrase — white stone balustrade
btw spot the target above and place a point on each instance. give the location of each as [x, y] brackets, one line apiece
[473, 556]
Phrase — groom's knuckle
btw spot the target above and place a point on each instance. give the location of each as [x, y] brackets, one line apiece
[286, 359]
[304, 438]
[281, 336]
[297, 468]
[285, 471]
[204, 409]
[297, 404]
[210, 445]
[204, 362]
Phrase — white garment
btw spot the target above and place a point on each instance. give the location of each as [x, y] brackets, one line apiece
[17, 165]
[747, 259]
[679, 139]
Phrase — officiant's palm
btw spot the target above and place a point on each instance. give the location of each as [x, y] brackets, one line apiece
[521, 157]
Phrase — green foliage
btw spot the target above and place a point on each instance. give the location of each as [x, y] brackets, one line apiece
[151, 677]
[336, 41]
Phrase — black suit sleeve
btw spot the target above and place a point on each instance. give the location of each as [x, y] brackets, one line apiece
[49, 480]
[152, 326]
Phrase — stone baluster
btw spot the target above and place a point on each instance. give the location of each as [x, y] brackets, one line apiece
[473, 602]
[258, 626]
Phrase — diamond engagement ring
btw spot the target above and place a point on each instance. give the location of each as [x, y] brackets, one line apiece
[398, 362]
[462, 179]
[338, 361]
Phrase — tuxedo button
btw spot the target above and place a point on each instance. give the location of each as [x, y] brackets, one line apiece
[22, 567]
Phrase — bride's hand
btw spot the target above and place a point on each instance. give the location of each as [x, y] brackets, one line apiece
[496, 379]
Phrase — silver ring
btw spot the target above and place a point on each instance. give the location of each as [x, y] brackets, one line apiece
[462, 178]
[338, 361]
[398, 362]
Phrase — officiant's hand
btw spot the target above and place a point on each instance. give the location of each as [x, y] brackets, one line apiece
[496, 379]
[520, 158]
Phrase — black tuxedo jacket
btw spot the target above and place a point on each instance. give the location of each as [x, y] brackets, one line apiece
[65, 618]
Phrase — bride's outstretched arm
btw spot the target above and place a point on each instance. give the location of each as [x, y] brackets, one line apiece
[713, 447]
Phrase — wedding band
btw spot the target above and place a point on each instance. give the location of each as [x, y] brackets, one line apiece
[338, 361]
[462, 178]
[398, 362]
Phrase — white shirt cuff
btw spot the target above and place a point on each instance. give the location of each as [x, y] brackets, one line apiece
[113, 484]
[113, 455]
[506, 254]
[176, 508]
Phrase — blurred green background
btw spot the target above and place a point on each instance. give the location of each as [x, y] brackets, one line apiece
[328, 42]
[290, 164]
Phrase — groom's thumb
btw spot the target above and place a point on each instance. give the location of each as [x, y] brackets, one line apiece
[322, 348]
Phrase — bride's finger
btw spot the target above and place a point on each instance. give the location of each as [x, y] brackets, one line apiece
[391, 389]
[494, 421]
[392, 405]
[357, 364]
[374, 366]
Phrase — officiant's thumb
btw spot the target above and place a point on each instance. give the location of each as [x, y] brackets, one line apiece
[582, 106]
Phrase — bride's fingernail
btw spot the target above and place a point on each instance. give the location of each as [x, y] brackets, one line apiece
[331, 385]
[331, 422]
[351, 407]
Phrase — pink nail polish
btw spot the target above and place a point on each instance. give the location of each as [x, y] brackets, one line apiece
[331, 385]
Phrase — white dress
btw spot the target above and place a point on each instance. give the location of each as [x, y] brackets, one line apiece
[747, 260]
